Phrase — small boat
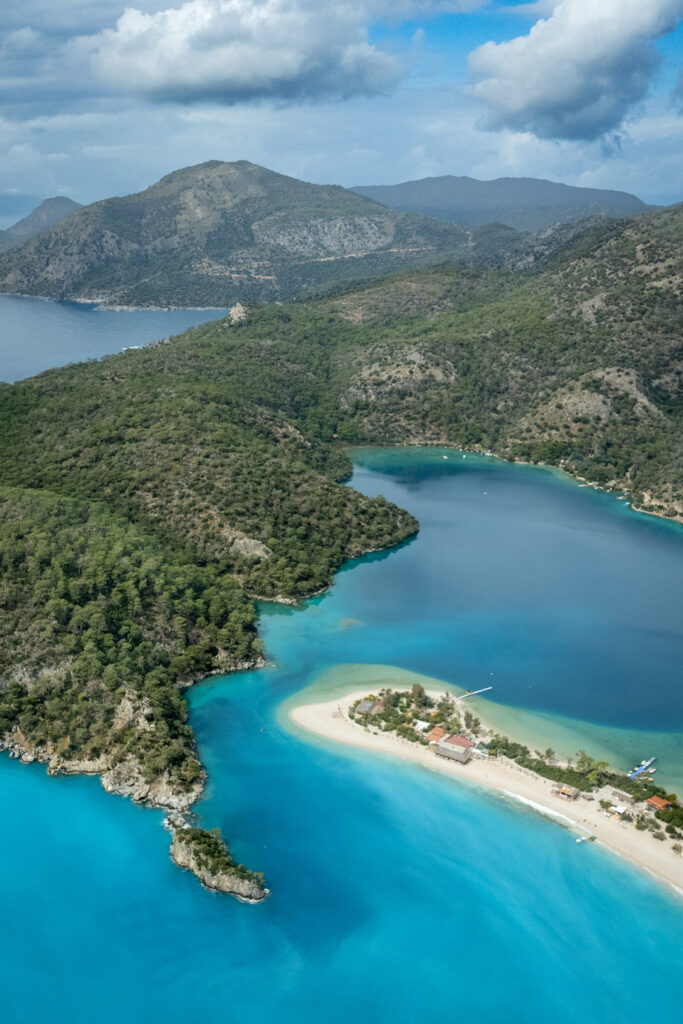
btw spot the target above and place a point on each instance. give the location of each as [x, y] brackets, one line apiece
[640, 768]
[586, 839]
[651, 771]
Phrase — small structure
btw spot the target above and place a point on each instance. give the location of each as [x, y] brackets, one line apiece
[420, 725]
[457, 748]
[436, 734]
[620, 809]
[658, 802]
[566, 792]
[237, 312]
[369, 707]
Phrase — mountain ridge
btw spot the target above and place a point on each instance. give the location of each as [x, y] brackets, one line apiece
[526, 204]
[217, 232]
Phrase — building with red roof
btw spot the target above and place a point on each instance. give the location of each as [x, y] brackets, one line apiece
[457, 748]
[658, 802]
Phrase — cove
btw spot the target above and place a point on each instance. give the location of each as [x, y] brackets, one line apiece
[394, 893]
[37, 334]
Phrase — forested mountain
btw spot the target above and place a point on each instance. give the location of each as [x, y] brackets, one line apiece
[218, 232]
[49, 213]
[526, 204]
[148, 497]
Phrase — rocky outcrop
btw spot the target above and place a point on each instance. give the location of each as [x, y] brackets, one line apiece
[221, 876]
[127, 779]
[237, 312]
[325, 236]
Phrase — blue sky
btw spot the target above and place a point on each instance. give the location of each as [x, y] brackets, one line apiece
[100, 98]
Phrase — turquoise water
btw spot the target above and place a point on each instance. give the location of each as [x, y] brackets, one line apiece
[36, 335]
[395, 893]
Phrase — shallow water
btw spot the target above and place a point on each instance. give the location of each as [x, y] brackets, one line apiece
[395, 892]
[36, 335]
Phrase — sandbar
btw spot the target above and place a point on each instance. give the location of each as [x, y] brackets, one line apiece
[330, 720]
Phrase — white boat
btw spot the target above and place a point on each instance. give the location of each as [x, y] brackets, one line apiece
[642, 767]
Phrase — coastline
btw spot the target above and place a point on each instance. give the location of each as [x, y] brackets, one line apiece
[104, 304]
[574, 478]
[330, 720]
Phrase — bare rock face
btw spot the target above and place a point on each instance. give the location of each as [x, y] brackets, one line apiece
[127, 779]
[248, 547]
[237, 312]
[228, 878]
[135, 711]
[322, 237]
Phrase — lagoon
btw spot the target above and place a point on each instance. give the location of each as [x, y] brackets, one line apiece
[395, 893]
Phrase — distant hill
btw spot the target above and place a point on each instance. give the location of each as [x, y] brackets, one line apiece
[14, 205]
[526, 204]
[217, 232]
[48, 214]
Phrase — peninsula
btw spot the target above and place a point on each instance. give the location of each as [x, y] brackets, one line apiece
[631, 817]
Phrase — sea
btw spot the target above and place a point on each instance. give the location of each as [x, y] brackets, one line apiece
[38, 334]
[396, 894]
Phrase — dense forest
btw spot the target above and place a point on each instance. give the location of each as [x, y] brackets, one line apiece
[149, 497]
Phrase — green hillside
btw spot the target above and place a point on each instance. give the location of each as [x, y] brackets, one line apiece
[220, 232]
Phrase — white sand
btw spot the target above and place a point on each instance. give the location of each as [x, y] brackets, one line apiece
[330, 719]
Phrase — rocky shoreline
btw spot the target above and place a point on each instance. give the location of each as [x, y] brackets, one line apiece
[126, 778]
[186, 853]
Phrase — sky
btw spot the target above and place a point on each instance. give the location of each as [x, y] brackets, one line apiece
[99, 99]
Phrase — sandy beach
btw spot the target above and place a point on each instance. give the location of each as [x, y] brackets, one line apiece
[330, 720]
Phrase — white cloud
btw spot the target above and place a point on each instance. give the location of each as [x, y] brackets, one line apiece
[67, 54]
[233, 51]
[577, 72]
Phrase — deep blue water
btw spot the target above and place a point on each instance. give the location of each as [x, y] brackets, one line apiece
[395, 893]
[562, 597]
[36, 335]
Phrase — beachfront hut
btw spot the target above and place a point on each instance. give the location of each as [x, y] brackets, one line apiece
[369, 707]
[658, 803]
[457, 748]
[436, 734]
[566, 792]
[420, 725]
